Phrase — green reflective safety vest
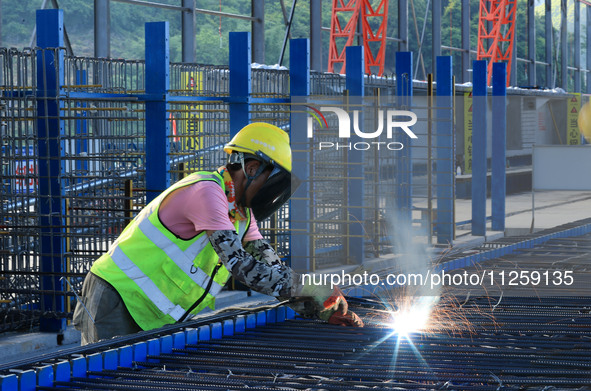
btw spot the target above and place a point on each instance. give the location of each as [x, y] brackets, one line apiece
[158, 275]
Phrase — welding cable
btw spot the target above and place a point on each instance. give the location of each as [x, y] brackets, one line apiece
[266, 306]
[200, 299]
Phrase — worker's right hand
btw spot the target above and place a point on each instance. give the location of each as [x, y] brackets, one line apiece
[331, 305]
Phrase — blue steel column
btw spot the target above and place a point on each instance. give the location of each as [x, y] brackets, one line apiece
[81, 126]
[479, 148]
[240, 86]
[403, 178]
[355, 85]
[299, 209]
[445, 150]
[50, 128]
[499, 145]
[157, 125]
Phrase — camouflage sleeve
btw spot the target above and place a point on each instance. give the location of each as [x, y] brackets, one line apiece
[264, 272]
[262, 251]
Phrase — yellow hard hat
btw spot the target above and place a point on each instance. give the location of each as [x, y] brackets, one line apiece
[263, 140]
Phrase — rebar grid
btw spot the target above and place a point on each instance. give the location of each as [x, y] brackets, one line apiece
[509, 344]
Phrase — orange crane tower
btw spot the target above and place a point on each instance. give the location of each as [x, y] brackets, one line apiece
[496, 26]
[343, 28]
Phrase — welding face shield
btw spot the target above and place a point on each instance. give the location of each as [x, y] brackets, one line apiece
[277, 189]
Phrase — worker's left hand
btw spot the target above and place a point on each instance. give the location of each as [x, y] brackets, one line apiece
[336, 310]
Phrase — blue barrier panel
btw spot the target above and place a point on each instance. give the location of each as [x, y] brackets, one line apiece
[499, 145]
[95, 362]
[178, 340]
[45, 376]
[8, 383]
[479, 148]
[240, 324]
[140, 351]
[272, 315]
[157, 124]
[204, 333]
[404, 94]
[79, 366]
[110, 359]
[216, 330]
[153, 348]
[126, 356]
[50, 129]
[27, 380]
[61, 371]
[261, 318]
[192, 336]
[299, 84]
[166, 344]
[251, 321]
[355, 85]
[228, 328]
[445, 150]
[240, 76]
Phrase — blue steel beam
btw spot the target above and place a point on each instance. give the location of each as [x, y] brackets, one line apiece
[445, 150]
[355, 85]
[300, 205]
[240, 76]
[479, 148]
[157, 124]
[50, 129]
[499, 145]
[404, 94]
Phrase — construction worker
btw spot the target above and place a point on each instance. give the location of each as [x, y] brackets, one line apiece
[173, 259]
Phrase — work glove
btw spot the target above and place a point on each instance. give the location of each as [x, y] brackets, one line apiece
[330, 305]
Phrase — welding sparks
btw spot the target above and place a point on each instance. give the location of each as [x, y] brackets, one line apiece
[412, 318]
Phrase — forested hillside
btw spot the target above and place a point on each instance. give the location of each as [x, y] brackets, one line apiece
[127, 29]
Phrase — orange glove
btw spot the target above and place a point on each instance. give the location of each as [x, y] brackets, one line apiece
[336, 311]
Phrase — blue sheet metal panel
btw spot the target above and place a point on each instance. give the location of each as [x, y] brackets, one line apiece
[95, 362]
[204, 333]
[499, 145]
[79, 366]
[251, 321]
[157, 124]
[45, 376]
[166, 344]
[289, 313]
[153, 348]
[50, 128]
[479, 148]
[178, 340]
[228, 328]
[192, 336]
[240, 324]
[240, 81]
[280, 316]
[261, 318]
[216, 330]
[445, 150]
[299, 86]
[27, 380]
[110, 359]
[140, 351]
[8, 383]
[404, 94]
[355, 85]
[271, 315]
[126, 356]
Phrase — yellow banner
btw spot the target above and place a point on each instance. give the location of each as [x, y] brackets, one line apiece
[190, 130]
[573, 136]
[468, 132]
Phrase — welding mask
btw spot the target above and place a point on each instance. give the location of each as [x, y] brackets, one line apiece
[269, 145]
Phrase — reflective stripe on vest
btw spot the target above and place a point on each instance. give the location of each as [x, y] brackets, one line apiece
[153, 282]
